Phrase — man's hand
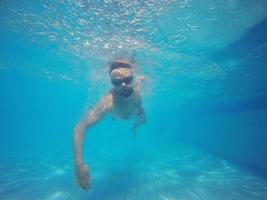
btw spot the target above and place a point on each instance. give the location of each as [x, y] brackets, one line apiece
[139, 120]
[83, 176]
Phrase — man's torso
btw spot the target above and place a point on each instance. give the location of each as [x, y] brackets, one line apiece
[124, 109]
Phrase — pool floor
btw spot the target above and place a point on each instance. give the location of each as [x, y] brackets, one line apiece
[184, 173]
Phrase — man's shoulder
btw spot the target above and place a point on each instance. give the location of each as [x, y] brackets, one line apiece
[107, 100]
[109, 96]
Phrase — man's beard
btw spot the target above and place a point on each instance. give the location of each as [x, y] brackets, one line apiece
[125, 91]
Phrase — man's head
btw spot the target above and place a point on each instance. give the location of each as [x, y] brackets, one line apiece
[121, 77]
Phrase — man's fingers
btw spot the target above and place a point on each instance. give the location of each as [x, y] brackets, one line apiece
[83, 184]
[83, 181]
[83, 177]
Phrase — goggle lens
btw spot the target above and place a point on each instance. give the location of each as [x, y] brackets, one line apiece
[126, 80]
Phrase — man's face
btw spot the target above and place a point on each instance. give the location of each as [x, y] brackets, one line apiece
[122, 79]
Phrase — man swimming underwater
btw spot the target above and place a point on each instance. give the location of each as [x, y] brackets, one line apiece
[122, 102]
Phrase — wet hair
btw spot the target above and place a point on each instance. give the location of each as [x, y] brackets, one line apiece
[119, 64]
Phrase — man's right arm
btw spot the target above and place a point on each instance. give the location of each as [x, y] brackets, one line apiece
[95, 115]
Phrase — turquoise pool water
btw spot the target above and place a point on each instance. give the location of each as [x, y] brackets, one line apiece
[204, 94]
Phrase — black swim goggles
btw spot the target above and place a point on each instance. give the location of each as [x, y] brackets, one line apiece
[118, 82]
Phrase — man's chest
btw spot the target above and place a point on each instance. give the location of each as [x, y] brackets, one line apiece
[125, 110]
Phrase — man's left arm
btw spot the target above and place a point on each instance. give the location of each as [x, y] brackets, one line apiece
[139, 81]
[140, 119]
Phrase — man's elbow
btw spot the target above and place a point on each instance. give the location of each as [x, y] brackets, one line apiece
[84, 124]
[79, 127]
